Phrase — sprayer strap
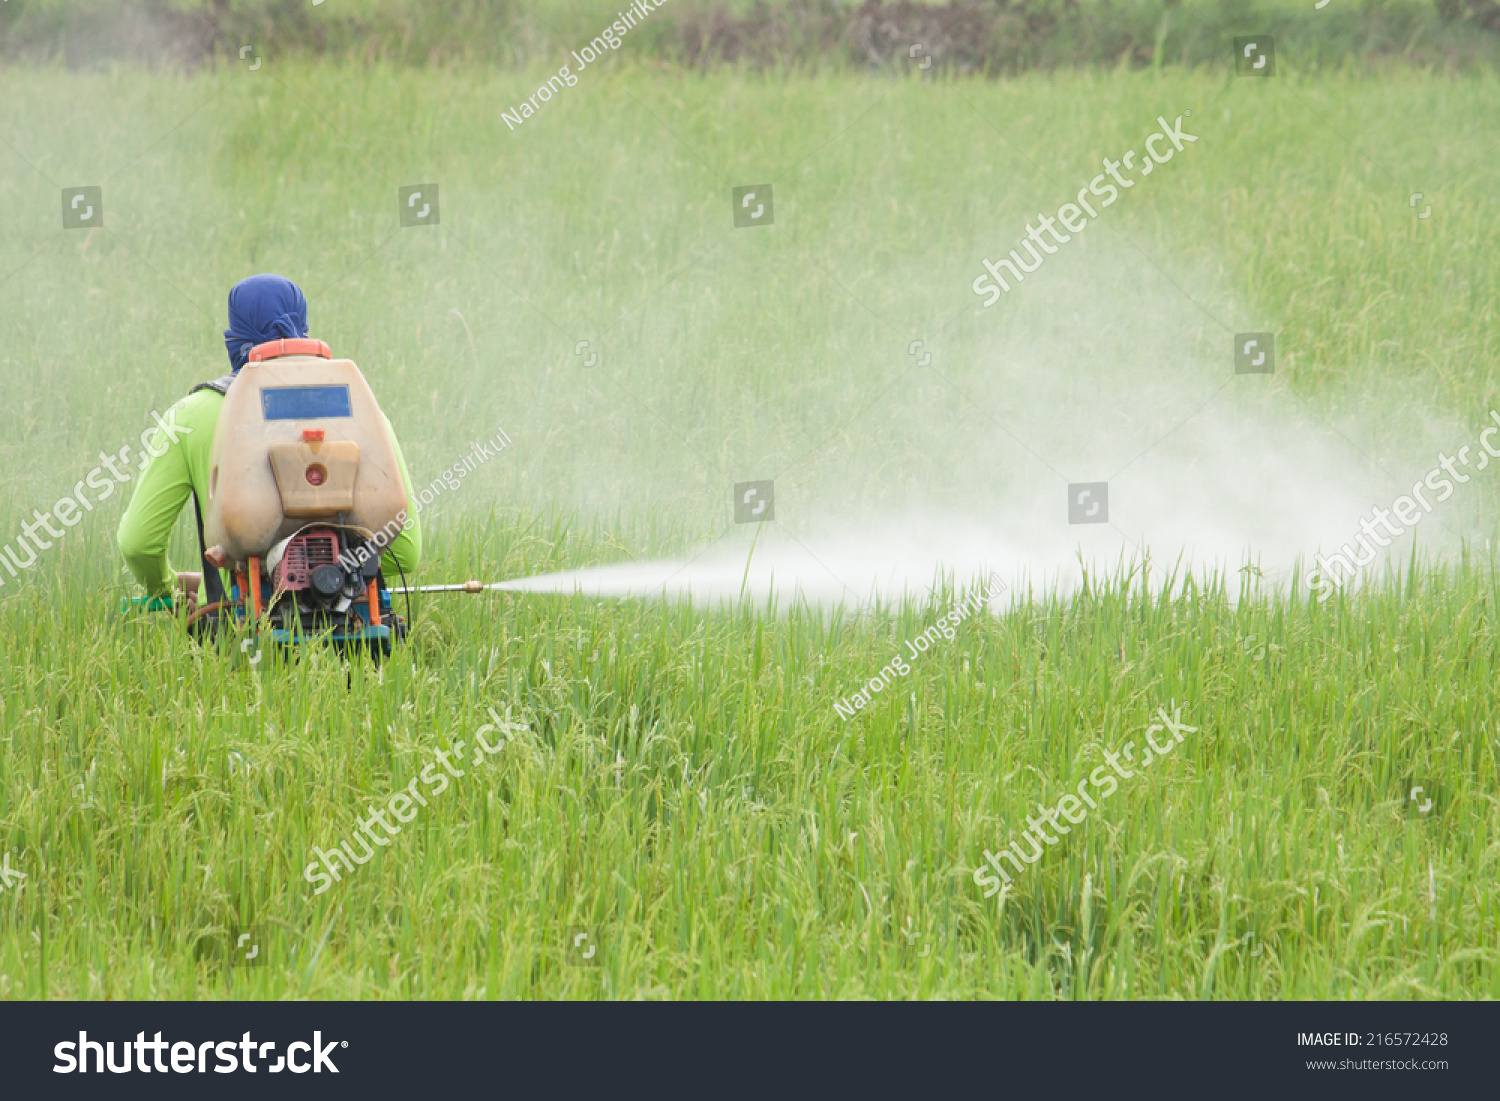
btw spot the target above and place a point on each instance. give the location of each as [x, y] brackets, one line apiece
[219, 385]
[213, 586]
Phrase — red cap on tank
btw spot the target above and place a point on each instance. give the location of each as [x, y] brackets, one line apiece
[295, 346]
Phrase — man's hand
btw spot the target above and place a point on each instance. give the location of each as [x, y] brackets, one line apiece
[189, 583]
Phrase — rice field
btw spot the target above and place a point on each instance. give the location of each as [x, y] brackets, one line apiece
[685, 795]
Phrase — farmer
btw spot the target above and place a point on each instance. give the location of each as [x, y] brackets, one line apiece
[261, 308]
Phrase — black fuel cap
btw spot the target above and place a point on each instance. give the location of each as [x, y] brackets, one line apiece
[327, 580]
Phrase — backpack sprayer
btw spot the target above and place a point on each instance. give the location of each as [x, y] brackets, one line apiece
[304, 490]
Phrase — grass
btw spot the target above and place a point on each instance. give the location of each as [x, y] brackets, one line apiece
[687, 788]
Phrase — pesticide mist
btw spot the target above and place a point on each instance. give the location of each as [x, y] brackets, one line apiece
[1101, 369]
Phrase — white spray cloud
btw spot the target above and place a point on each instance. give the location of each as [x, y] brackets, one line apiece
[1101, 368]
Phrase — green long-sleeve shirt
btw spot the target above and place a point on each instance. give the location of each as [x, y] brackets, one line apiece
[180, 468]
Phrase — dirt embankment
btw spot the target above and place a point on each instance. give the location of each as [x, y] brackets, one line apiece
[967, 36]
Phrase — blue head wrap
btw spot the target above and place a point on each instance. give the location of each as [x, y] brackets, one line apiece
[262, 308]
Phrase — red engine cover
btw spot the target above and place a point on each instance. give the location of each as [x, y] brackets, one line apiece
[305, 553]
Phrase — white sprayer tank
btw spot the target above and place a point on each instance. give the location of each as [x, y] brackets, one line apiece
[300, 438]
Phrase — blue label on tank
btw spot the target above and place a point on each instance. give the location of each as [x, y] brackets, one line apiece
[303, 403]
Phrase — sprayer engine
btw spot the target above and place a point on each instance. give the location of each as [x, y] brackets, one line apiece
[310, 565]
[326, 581]
[321, 572]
